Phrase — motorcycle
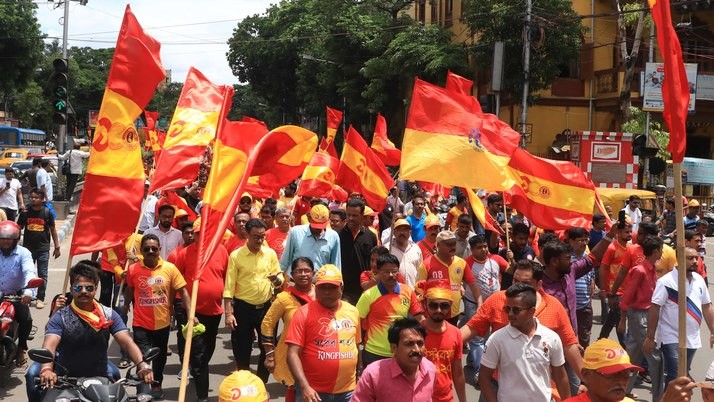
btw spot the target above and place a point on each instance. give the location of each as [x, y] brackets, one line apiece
[91, 389]
[9, 329]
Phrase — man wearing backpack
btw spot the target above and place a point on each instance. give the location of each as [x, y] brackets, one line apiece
[39, 224]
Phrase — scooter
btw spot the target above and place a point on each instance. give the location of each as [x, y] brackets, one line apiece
[91, 389]
[9, 329]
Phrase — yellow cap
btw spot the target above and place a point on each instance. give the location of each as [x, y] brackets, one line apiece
[328, 274]
[607, 357]
[693, 203]
[402, 222]
[242, 386]
[319, 216]
[369, 211]
[431, 220]
[438, 289]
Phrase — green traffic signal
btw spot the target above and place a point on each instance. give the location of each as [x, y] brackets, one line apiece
[60, 105]
[61, 92]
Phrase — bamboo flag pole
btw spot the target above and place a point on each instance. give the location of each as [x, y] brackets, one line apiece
[66, 274]
[187, 347]
[506, 223]
[681, 270]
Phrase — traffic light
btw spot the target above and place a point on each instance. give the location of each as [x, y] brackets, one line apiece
[59, 91]
[642, 148]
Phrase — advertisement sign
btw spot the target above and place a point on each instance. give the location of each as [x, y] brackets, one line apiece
[93, 117]
[699, 171]
[654, 77]
[605, 152]
[705, 87]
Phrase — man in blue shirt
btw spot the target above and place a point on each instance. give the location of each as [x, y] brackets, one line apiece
[314, 241]
[417, 217]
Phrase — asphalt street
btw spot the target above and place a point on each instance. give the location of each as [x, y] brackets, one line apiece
[222, 362]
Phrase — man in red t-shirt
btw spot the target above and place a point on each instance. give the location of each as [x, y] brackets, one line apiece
[209, 305]
[427, 245]
[609, 268]
[443, 343]
[240, 236]
[275, 237]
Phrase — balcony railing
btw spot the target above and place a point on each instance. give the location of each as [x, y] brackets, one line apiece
[606, 81]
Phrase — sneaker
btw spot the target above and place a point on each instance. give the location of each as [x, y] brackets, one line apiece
[188, 377]
[156, 392]
[40, 304]
[476, 381]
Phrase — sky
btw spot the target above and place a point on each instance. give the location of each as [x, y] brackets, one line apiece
[191, 32]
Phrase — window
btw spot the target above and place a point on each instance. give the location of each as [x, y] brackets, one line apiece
[434, 12]
[449, 14]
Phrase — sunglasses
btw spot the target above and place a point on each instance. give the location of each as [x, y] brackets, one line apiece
[78, 288]
[150, 249]
[440, 306]
[514, 310]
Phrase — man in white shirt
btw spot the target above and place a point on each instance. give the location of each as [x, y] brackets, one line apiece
[524, 353]
[74, 156]
[44, 183]
[663, 315]
[408, 252]
[463, 234]
[632, 209]
[11, 194]
[169, 237]
[147, 221]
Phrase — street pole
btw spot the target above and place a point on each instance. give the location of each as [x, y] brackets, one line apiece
[646, 165]
[526, 71]
[62, 134]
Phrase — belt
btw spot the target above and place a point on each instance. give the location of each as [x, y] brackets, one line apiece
[255, 306]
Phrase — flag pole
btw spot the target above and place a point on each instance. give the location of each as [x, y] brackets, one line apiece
[506, 223]
[681, 271]
[394, 213]
[66, 274]
[189, 339]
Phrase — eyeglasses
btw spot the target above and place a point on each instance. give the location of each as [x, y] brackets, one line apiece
[514, 310]
[78, 288]
[439, 306]
[149, 249]
[258, 237]
[625, 374]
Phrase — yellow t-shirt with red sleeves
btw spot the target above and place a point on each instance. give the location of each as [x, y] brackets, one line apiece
[329, 341]
[378, 308]
[433, 269]
[154, 291]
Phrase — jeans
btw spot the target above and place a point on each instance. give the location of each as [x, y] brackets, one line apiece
[610, 322]
[249, 318]
[670, 357]
[24, 324]
[585, 325]
[202, 347]
[146, 339]
[34, 392]
[42, 258]
[477, 345]
[325, 397]
[573, 379]
[10, 213]
[71, 183]
[637, 332]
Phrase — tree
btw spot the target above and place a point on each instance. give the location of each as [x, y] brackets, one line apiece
[637, 124]
[165, 99]
[20, 45]
[629, 15]
[556, 39]
[31, 107]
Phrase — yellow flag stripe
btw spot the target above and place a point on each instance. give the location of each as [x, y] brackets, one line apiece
[320, 173]
[452, 161]
[357, 163]
[556, 195]
[226, 172]
[191, 127]
[116, 150]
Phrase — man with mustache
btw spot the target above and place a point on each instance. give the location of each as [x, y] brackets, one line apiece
[407, 376]
[169, 236]
[408, 252]
[432, 226]
[606, 370]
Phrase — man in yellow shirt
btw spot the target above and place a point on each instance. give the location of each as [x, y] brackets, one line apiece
[253, 272]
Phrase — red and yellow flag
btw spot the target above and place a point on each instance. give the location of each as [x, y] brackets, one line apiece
[334, 117]
[460, 85]
[447, 142]
[675, 89]
[552, 194]
[201, 106]
[435, 188]
[114, 183]
[480, 211]
[280, 156]
[362, 171]
[319, 176]
[328, 148]
[179, 203]
[385, 149]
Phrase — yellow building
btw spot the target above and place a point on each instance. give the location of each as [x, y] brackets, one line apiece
[587, 97]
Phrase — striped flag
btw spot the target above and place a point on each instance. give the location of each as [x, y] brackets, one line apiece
[385, 149]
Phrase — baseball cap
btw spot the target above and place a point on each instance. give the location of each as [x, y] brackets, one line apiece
[431, 220]
[242, 386]
[445, 235]
[607, 357]
[402, 222]
[369, 211]
[180, 213]
[319, 216]
[328, 274]
[246, 195]
[693, 203]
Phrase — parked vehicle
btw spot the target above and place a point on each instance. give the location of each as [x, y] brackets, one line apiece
[21, 167]
[617, 199]
[91, 389]
[9, 156]
[9, 330]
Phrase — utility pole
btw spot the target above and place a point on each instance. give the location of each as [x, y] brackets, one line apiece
[62, 133]
[646, 166]
[526, 72]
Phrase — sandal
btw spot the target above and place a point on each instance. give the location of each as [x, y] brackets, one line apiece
[123, 363]
[21, 358]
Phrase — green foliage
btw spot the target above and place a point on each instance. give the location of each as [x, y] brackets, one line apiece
[631, 18]
[20, 45]
[31, 108]
[165, 99]
[637, 125]
[556, 39]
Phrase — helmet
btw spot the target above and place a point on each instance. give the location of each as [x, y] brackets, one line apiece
[9, 230]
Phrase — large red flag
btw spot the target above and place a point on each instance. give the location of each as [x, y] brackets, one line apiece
[460, 85]
[114, 183]
[334, 117]
[362, 171]
[328, 148]
[385, 149]
[201, 107]
[319, 176]
[675, 89]
[284, 151]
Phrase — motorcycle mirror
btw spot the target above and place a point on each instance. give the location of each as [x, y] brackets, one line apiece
[151, 354]
[41, 355]
[35, 283]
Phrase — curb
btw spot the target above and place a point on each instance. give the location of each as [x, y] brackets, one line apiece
[66, 227]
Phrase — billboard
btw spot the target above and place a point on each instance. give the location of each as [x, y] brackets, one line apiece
[652, 88]
[705, 87]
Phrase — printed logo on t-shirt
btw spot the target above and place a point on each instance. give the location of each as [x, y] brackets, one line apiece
[329, 326]
[35, 224]
[147, 295]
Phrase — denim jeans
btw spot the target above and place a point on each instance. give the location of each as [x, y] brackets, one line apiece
[670, 357]
[477, 344]
[325, 397]
[636, 334]
[42, 258]
[34, 392]
[610, 322]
